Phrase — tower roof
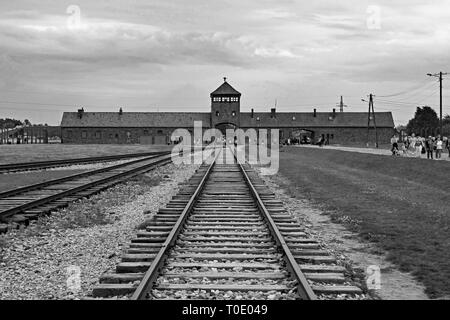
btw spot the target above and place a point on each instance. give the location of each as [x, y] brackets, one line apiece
[225, 89]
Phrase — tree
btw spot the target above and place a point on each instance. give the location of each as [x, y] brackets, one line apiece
[27, 122]
[424, 119]
[446, 120]
[446, 126]
[9, 123]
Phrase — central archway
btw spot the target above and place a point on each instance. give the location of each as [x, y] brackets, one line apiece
[224, 126]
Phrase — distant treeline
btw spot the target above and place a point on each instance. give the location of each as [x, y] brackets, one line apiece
[10, 123]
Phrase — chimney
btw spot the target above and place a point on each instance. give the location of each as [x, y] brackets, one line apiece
[80, 113]
[334, 113]
[272, 112]
[315, 113]
[253, 113]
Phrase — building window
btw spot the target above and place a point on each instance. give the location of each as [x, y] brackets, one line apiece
[233, 113]
[117, 136]
[128, 134]
[332, 136]
[69, 134]
[159, 132]
[145, 132]
[83, 134]
[110, 135]
[98, 135]
[217, 113]
[257, 119]
[293, 118]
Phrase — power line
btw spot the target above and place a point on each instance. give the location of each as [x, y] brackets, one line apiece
[408, 103]
[408, 91]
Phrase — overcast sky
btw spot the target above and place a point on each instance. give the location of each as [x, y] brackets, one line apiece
[161, 55]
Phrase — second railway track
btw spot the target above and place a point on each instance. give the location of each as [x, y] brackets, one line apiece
[40, 165]
[225, 236]
[29, 202]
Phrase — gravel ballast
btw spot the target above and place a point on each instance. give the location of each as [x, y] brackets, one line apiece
[43, 261]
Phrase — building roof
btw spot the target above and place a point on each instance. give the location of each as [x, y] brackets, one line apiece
[322, 119]
[225, 89]
[186, 119]
[135, 119]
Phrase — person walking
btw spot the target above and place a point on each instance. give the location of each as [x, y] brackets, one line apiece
[394, 144]
[439, 148]
[446, 143]
[418, 146]
[429, 147]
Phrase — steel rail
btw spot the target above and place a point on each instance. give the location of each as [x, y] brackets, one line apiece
[64, 162]
[71, 177]
[41, 201]
[304, 289]
[152, 273]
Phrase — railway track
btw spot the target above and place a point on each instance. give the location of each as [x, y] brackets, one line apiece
[225, 236]
[39, 165]
[29, 202]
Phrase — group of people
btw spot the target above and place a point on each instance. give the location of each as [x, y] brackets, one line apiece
[433, 147]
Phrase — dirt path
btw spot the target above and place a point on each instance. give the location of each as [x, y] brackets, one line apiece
[381, 151]
[395, 285]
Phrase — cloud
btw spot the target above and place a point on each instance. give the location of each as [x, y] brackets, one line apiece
[107, 43]
[290, 49]
[275, 13]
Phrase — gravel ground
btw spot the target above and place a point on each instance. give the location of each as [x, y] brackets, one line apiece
[43, 261]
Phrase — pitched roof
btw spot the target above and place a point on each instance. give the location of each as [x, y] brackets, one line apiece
[135, 119]
[322, 119]
[225, 88]
[186, 119]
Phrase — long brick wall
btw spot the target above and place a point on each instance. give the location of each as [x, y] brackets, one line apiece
[162, 135]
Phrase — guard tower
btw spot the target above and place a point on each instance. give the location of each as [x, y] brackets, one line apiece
[225, 107]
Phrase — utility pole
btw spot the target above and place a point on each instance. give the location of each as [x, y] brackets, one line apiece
[440, 76]
[370, 116]
[342, 105]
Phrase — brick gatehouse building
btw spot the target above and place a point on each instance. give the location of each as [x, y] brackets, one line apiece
[157, 127]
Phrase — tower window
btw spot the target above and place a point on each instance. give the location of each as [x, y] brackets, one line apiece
[217, 113]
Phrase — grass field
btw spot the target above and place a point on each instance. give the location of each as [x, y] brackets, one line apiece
[401, 204]
[42, 152]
